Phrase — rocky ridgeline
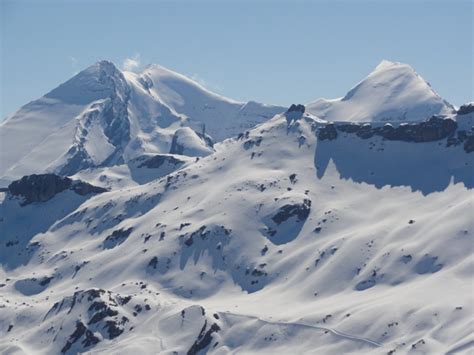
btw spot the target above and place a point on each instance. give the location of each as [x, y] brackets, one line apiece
[466, 108]
[41, 188]
[433, 129]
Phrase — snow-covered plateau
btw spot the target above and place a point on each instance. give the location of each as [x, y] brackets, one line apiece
[142, 213]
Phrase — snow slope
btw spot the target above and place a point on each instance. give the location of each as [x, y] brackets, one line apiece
[279, 242]
[105, 117]
[221, 117]
[392, 92]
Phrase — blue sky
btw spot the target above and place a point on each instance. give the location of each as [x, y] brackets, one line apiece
[276, 52]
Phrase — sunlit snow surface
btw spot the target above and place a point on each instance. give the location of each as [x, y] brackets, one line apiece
[380, 262]
[272, 241]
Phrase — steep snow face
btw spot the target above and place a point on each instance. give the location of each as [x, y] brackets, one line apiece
[279, 242]
[103, 117]
[392, 92]
[219, 116]
[81, 123]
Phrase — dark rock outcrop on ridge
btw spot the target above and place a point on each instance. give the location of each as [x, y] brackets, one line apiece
[466, 108]
[433, 129]
[41, 188]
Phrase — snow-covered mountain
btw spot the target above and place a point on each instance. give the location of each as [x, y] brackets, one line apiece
[221, 116]
[104, 117]
[392, 92]
[294, 236]
[297, 236]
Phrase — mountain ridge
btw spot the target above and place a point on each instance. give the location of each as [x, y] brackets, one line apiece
[103, 116]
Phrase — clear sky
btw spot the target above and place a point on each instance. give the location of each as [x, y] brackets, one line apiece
[278, 52]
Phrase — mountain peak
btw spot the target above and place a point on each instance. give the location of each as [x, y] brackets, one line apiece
[389, 64]
[106, 65]
[393, 91]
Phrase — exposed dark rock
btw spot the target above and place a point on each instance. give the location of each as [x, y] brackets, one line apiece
[158, 160]
[153, 262]
[300, 210]
[83, 188]
[418, 343]
[45, 280]
[97, 306]
[41, 188]
[252, 142]
[99, 316]
[328, 132]
[466, 108]
[469, 144]
[435, 128]
[116, 238]
[364, 285]
[124, 300]
[349, 127]
[257, 273]
[112, 329]
[296, 108]
[365, 131]
[90, 338]
[204, 338]
[78, 332]
[294, 113]
[92, 293]
[189, 241]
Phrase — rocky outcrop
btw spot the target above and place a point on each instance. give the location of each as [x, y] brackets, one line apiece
[41, 188]
[98, 314]
[466, 108]
[204, 338]
[435, 128]
[300, 210]
[328, 132]
[116, 238]
[296, 108]
[158, 160]
[294, 112]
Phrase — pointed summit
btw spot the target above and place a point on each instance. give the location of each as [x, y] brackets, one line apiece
[97, 81]
[393, 91]
[386, 64]
[103, 117]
